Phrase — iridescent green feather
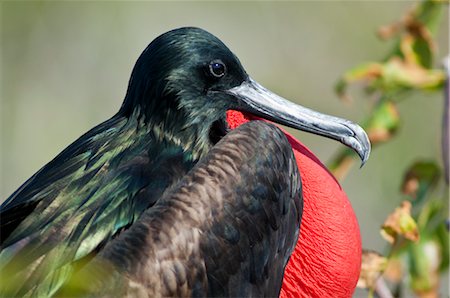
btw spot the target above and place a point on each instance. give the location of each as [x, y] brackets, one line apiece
[93, 201]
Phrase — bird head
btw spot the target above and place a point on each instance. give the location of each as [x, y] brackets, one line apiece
[187, 79]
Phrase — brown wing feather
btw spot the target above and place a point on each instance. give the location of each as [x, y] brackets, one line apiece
[227, 229]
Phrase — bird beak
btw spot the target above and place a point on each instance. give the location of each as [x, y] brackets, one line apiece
[254, 98]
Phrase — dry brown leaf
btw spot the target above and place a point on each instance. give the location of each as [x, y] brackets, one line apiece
[372, 266]
[408, 25]
[411, 186]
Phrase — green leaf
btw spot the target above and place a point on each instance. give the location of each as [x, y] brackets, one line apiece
[400, 223]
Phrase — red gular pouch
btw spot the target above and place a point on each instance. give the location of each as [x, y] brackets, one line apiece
[327, 258]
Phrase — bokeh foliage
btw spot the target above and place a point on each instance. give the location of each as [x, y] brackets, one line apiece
[417, 231]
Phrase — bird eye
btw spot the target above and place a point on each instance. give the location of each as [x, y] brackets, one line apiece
[217, 68]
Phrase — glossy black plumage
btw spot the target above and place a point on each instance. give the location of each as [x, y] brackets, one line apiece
[234, 222]
[174, 112]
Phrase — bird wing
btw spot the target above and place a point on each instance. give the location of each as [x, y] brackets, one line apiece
[251, 239]
[68, 210]
[226, 229]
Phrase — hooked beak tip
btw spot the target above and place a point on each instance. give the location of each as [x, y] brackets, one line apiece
[362, 144]
[364, 157]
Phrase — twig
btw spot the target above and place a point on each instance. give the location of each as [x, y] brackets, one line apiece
[445, 120]
[381, 289]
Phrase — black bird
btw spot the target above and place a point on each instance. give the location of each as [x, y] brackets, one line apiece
[174, 112]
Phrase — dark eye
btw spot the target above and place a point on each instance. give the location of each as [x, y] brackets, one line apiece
[217, 68]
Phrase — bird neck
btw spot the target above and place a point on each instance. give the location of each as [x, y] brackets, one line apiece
[194, 135]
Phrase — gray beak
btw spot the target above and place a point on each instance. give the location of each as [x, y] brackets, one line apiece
[256, 99]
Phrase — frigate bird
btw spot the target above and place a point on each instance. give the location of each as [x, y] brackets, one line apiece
[72, 210]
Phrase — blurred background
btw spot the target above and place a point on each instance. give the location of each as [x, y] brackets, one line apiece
[65, 68]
